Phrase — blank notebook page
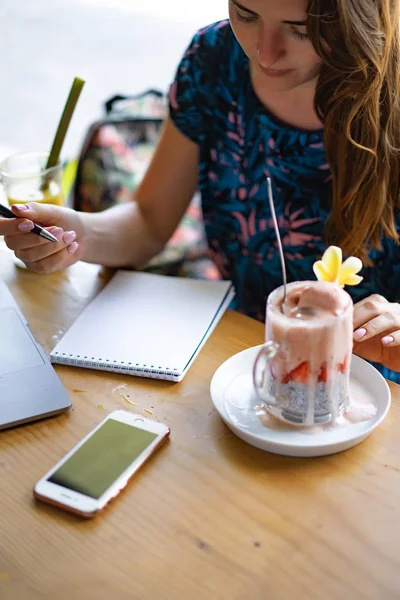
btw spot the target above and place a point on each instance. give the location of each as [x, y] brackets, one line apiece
[145, 320]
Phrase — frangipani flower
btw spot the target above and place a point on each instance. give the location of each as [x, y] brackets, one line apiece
[331, 268]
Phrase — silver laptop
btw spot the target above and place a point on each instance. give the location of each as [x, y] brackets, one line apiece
[29, 386]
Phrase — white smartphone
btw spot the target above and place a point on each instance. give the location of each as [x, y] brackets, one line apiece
[100, 466]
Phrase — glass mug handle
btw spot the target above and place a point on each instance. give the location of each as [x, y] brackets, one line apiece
[267, 352]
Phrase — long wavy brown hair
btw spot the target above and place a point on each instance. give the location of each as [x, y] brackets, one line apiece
[358, 100]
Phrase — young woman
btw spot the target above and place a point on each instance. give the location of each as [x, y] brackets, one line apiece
[305, 92]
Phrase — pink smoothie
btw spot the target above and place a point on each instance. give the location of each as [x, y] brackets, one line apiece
[314, 337]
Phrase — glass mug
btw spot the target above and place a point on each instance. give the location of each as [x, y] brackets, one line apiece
[301, 374]
[25, 179]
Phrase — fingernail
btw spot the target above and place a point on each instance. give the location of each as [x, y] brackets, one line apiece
[69, 237]
[359, 334]
[58, 232]
[73, 247]
[25, 226]
[389, 339]
[21, 206]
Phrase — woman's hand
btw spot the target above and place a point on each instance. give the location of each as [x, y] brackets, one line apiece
[37, 253]
[377, 331]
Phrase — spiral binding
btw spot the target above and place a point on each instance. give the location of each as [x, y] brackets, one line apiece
[129, 368]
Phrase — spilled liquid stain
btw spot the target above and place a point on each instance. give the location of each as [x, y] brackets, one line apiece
[4, 576]
[100, 407]
[79, 391]
[57, 337]
[121, 392]
[126, 398]
[119, 389]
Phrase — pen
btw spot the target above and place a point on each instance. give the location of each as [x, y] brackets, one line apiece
[8, 214]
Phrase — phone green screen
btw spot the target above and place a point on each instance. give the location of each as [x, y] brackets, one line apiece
[102, 458]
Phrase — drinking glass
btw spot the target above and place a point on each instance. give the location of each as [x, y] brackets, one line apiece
[25, 178]
[301, 374]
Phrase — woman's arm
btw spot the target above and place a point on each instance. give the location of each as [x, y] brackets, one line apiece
[125, 235]
[133, 233]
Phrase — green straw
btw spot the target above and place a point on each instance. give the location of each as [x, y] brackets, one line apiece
[65, 120]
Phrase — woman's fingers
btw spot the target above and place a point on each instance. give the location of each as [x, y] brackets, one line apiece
[32, 242]
[36, 252]
[28, 214]
[23, 242]
[384, 323]
[57, 261]
[377, 331]
[41, 213]
[391, 340]
[368, 309]
[43, 256]
[13, 227]
[41, 251]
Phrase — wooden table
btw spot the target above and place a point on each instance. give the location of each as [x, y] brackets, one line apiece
[209, 517]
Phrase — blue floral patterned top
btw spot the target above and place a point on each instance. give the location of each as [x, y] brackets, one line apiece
[213, 103]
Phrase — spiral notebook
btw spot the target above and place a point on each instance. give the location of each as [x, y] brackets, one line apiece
[144, 324]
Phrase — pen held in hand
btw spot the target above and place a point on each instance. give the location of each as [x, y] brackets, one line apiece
[8, 214]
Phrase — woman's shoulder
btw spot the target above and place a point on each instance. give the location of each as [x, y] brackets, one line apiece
[205, 70]
[212, 63]
[214, 37]
[214, 46]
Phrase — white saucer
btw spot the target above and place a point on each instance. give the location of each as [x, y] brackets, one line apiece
[234, 397]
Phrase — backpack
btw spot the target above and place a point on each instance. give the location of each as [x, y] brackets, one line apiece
[114, 157]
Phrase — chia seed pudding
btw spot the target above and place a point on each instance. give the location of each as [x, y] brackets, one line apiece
[305, 380]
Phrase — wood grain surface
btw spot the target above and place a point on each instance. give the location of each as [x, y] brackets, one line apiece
[208, 517]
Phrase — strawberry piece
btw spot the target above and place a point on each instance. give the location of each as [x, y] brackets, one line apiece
[299, 374]
[323, 375]
[343, 367]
